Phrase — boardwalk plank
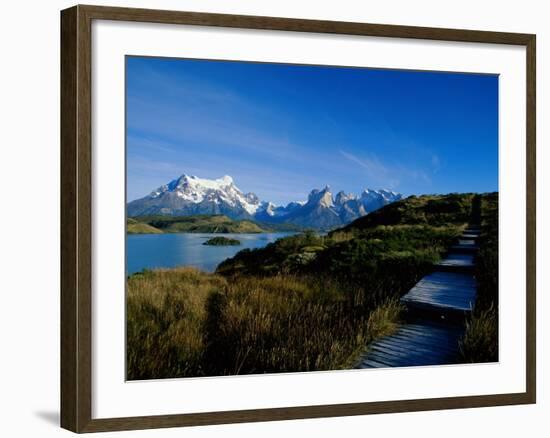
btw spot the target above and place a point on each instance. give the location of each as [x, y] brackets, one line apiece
[392, 361]
[438, 301]
[437, 306]
[419, 342]
[429, 332]
[433, 350]
[433, 327]
[457, 283]
[415, 344]
[467, 249]
[409, 350]
[439, 297]
[435, 292]
[452, 293]
[445, 305]
[445, 286]
[426, 337]
[442, 307]
[450, 277]
[467, 260]
[389, 353]
[447, 290]
[389, 362]
[456, 288]
[444, 296]
[372, 364]
[449, 296]
[458, 260]
[407, 359]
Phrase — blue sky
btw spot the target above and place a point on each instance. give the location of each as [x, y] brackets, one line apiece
[281, 130]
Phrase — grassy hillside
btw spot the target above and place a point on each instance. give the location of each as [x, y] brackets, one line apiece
[135, 227]
[199, 224]
[305, 302]
[434, 210]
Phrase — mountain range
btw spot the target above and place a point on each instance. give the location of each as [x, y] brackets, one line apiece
[191, 195]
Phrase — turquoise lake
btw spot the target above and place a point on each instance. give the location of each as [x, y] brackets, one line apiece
[149, 251]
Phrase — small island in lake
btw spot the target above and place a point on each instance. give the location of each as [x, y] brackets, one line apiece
[222, 241]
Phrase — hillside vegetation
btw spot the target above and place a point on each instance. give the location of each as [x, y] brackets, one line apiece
[433, 210]
[193, 224]
[135, 227]
[480, 343]
[222, 241]
[408, 234]
[305, 302]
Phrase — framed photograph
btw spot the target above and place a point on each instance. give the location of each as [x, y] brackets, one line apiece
[270, 218]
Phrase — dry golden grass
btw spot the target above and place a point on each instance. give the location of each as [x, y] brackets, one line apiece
[183, 322]
[480, 341]
[165, 317]
[384, 320]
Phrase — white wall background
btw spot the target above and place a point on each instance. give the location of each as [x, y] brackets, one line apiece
[29, 218]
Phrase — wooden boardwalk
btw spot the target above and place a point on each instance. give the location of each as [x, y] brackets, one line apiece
[415, 344]
[436, 308]
[443, 291]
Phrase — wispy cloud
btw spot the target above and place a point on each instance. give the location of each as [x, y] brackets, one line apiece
[135, 142]
[185, 106]
[436, 163]
[388, 175]
[194, 118]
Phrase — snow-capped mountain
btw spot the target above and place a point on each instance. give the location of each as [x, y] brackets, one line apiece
[190, 195]
[324, 211]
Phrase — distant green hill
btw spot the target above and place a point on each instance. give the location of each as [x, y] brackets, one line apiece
[135, 227]
[193, 224]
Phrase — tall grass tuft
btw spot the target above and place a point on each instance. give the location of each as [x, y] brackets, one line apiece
[480, 341]
[165, 311]
[384, 319]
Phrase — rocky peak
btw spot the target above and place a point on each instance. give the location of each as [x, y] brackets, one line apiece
[342, 197]
[321, 197]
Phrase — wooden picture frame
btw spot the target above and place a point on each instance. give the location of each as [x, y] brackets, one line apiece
[76, 217]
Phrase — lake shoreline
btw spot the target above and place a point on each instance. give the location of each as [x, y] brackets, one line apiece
[170, 250]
